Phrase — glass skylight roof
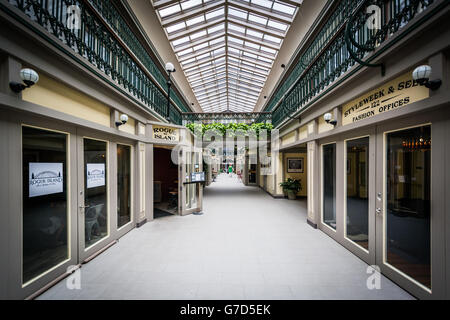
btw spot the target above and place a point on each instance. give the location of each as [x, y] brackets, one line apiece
[226, 48]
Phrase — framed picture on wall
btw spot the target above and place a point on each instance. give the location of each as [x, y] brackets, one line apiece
[295, 165]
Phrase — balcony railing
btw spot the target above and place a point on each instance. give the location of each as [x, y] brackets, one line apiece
[102, 38]
[329, 56]
[333, 24]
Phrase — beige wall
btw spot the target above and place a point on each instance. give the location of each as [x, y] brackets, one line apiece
[307, 14]
[147, 17]
[55, 95]
[60, 97]
[300, 176]
[287, 139]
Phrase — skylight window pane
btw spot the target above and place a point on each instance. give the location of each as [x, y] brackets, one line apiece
[206, 55]
[255, 34]
[236, 40]
[198, 35]
[263, 3]
[169, 10]
[251, 55]
[277, 25]
[188, 61]
[218, 52]
[233, 50]
[181, 53]
[252, 45]
[257, 19]
[218, 40]
[180, 41]
[269, 50]
[265, 59]
[236, 28]
[190, 3]
[273, 39]
[200, 46]
[195, 20]
[220, 27]
[176, 27]
[283, 8]
[237, 13]
[215, 13]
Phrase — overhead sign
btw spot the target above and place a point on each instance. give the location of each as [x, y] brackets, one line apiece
[45, 178]
[165, 133]
[95, 175]
[393, 95]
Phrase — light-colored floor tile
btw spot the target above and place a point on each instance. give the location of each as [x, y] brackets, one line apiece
[247, 245]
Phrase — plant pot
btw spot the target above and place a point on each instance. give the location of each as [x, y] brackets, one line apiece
[292, 195]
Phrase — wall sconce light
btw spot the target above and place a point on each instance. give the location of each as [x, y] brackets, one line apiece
[422, 75]
[123, 119]
[29, 78]
[328, 117]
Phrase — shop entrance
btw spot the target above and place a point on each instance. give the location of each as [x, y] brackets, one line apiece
[165, 183]
[105, 190]
[77, 197]
[377, 199]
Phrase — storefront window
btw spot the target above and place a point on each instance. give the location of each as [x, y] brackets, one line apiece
[95, 187]
[123, 185]
[357, 216]
[408, 229]
[45, 210]
[329, 185]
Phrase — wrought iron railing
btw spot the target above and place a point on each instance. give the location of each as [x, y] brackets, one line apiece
[75, 24]
[109, 13]
[333, 24]
[314, 74]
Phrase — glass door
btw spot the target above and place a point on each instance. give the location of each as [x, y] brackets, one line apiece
[94, 217]
[124, 188]
[191, 192]
[404, 207]
[46, 202]
[359, 194]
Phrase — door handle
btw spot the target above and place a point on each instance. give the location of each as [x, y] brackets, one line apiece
[378, 211]
[83, 207]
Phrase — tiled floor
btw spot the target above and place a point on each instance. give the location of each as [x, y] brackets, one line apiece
[247, 245]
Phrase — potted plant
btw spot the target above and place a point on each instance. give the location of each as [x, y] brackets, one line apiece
[291, 187]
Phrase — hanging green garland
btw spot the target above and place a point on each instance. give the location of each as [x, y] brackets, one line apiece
[234, 129]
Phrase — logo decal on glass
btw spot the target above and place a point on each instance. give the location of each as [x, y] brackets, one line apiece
[95, 175]
[45, 178]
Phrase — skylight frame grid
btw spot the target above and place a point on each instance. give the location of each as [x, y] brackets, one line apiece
[225, 67]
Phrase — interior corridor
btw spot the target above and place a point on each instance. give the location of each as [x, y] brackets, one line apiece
[246, 245]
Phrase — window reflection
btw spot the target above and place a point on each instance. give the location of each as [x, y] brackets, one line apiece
[45, 233]
[408, 233]
[95, 213]
[329, 185]
[357, 218]
[123, 185]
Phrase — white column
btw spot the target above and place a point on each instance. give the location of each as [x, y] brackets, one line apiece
[313, 183]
